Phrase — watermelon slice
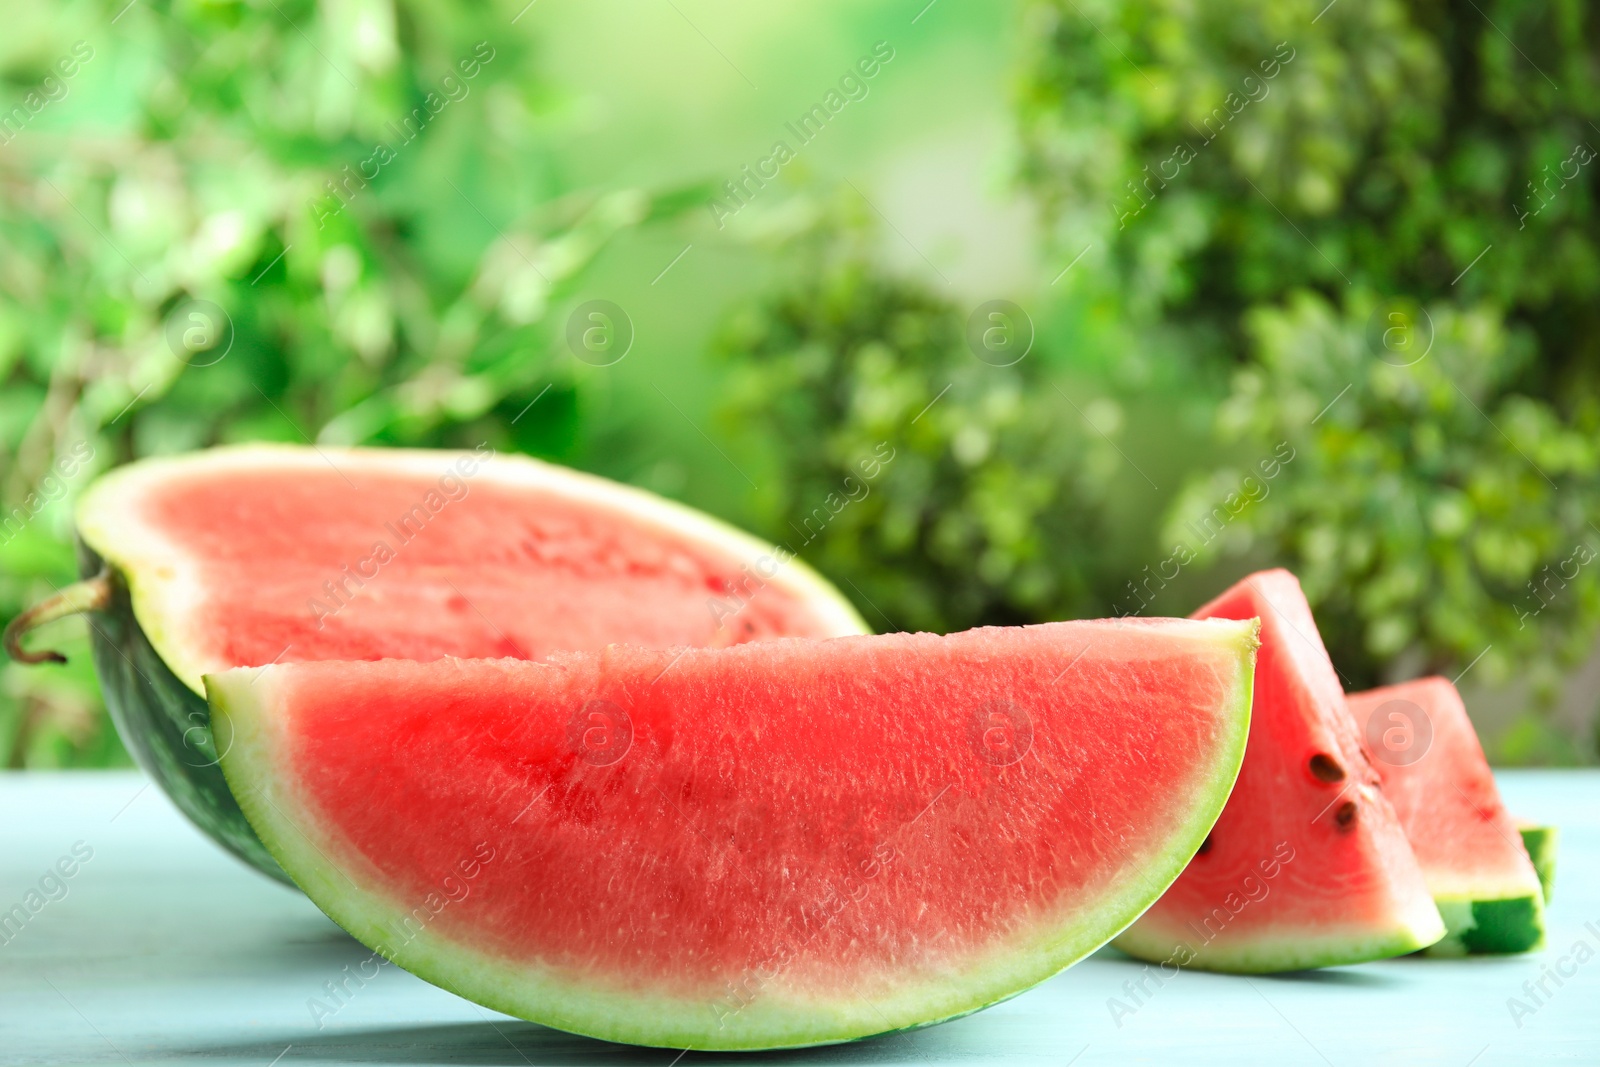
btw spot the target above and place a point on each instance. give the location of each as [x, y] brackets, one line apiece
[261, 554]
[1308, 865]
[1434, 773]
[1542, 843]
[779, 844]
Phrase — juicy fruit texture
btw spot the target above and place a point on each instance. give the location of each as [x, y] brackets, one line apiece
[1434, 773]
[1308, 865]
[1542, 843]
[258, 554]
[779, 844]
[239, 557]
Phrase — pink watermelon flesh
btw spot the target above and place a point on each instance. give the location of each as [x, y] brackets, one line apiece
[1434, 773]
[261, 554]
[783, 843]
[1308, 865]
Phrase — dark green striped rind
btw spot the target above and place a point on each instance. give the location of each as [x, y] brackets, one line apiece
[166, 725]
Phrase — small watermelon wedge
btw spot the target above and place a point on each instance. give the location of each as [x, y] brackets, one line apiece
[1308, 865]
[777, 844]
[255, 554]
[1542, 843]
[1434, 772]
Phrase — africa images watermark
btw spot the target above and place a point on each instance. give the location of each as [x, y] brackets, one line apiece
[1538, 991]
[52, 88]
[816, 917]
[1580, 156]
[1254, 89]
[1208, 527]
[1253, 889]
[343, 189]
[852, 86]
[51, 487]
[51, 887]
[758, 574]
[452, 890]
[1582, 555]
[451, 488]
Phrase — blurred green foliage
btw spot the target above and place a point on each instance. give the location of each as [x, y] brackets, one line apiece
[1368, 234]
[1431, 511]
[1254, 218]
[987, 514]
[360, 188]
[1387, 208]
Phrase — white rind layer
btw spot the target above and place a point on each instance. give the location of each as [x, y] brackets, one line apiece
[164, 582]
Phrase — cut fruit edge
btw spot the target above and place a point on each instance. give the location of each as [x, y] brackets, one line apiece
[166, 592]
[252, 735]
[1307, 950]
[1490, 927]
[1542, 842]
[1408, 921]
[1477, 868]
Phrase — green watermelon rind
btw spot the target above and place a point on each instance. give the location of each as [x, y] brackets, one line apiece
[1541, 843]
[1490, 927]
[165, 725]
[1299, 950]
[154, 694]
[238, 700]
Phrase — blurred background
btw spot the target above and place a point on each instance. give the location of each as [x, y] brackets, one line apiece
[1144, 294]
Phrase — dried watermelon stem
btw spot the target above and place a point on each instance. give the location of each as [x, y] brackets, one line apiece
[91, 594]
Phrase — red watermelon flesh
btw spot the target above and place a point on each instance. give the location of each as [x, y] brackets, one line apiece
[782, 843]
[1308, 866]
[1434, 772]
[257, 554]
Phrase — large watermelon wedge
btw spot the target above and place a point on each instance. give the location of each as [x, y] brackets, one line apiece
[245, 556]
[1308, 865]
[1434, 773]
[784, 843]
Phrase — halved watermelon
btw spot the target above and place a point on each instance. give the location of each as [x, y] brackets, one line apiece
[1434, 773]
[259, 554]
[1308, 865]
[784, 843]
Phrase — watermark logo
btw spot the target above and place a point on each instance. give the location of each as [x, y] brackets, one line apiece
[1537, 991]
[1399, 732]
[758, 574]
[1252, 889]
[999, 333]
[1580, 156]
[199, 738]
[600, 732]
[199, 333]
[451, 487]
[53, 88]
[599, 333]
[1399, 332]
[1581, 556]
[1000, 733]
[853, 86]
[50, 887]
[52, 486]
[453, 888]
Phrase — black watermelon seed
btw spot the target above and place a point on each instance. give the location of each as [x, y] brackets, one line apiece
[1346, 815]
[1326, 768]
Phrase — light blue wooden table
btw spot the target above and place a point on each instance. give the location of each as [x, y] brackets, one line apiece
[159, 949]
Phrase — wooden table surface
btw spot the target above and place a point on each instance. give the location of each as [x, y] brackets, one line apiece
[160, 949]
